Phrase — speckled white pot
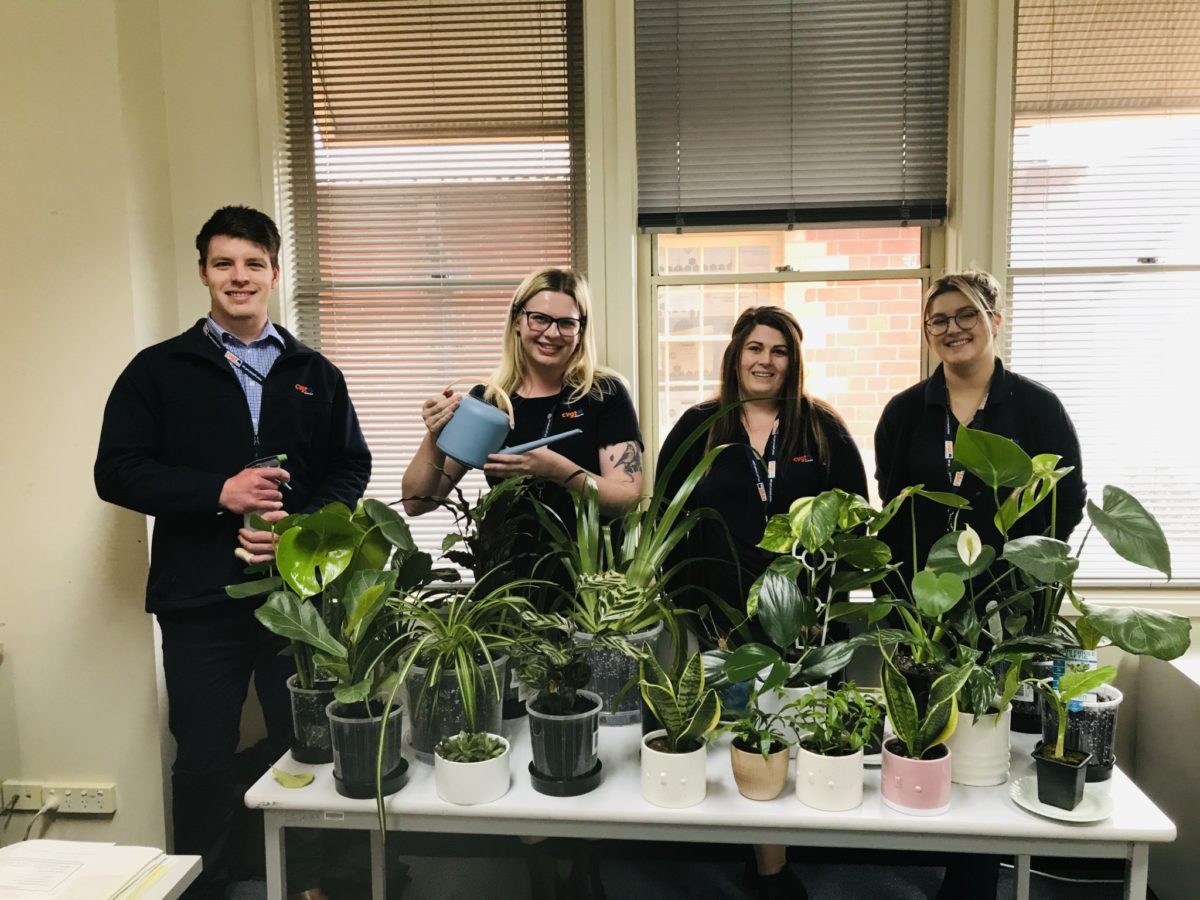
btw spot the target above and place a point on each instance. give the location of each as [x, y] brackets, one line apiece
[829, 783]
[673, 780]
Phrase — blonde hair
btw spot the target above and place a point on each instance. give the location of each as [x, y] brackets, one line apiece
[582, 371]
[980, 288]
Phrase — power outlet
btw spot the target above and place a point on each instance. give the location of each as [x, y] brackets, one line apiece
[28, 794]
[87, 799]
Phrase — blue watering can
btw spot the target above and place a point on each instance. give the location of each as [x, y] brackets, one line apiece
[478, 428]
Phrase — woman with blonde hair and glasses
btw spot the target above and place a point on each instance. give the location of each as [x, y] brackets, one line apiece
[548, 369]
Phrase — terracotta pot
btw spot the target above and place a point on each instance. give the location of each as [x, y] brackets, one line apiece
[829, 783]
[918, 787]
[979, 749]
[673, 780]
[758, 778]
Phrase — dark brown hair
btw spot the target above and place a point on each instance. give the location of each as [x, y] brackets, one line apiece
[803, 420]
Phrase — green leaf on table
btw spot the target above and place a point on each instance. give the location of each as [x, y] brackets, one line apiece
[1131, 530]
[1045, 559]
[291, 780]
[994, 460]
[936, 594]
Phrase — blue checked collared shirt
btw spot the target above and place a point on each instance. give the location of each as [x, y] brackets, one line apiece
[260, 353]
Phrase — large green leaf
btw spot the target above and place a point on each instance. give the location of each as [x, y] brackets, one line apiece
[1029, 496]
[1143, 632]
[777, 536]
[714, 668]
[288, 616]
[944, 557]
[1131, 530]
[704, 719]
[936, 594]
[748, 660]
[365, 596]
[787, 566]
[994, 460]
[394, 528]
[1045, 559]
[815, 519]
[312, 555]
[862, 552]
[1073, 684]
[781, 609]
[901, 705]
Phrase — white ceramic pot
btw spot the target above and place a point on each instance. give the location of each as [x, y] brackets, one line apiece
[979, 749]
[673, 780]
[471, 783]
[829, 783]
[774, 701]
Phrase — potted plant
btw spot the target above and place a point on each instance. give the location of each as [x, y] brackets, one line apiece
[471, 768]
[758, 753]
[618, 584]
[839, 724]
[916, 762]
[1061, 770]
[563, 717]
[454, 666]
[1091, 722]
[675, 757]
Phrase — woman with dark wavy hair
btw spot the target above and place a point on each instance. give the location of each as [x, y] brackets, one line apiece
[785, 444]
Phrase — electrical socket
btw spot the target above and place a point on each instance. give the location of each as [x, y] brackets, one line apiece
[73, 798]
[28, 794]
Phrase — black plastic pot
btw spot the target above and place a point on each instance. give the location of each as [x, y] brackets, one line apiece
[1027, 713]
[355, 739]
[1060, 782]
[564, 748]
[1091, 730]
[433, 715]
[311, 742]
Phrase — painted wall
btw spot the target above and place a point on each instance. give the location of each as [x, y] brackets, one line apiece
[134, 120]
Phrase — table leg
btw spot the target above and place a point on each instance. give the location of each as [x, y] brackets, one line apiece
[378, 865]
[1021, 873]
[275, 843]
[1137, 871]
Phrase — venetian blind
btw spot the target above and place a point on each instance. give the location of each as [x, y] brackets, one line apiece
[433, 157]
[768, 111]
[1104, 248]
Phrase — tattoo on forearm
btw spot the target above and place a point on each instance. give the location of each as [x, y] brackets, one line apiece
[630, 460]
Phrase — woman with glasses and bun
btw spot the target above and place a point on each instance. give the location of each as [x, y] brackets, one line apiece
[784, 444]
[914, 444]
[548, 369]
[915, 437]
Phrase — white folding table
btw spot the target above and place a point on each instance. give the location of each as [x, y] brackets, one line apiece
[980, 819]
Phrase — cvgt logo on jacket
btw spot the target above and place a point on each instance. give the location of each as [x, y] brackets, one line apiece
[802, 458]
[573, 414]
[305, 390]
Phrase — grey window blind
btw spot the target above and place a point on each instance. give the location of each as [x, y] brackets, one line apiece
[433, 156]
[767, 111]
[1104, 248]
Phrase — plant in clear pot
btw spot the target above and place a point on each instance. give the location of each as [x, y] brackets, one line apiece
[838, 725]
[675, 758]
[1061, 769]
[563, 717]
[454, 664]
[915, 778]
[470, 768]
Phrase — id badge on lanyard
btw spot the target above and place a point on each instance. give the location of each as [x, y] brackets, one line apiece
[956, 477]
[766, 487]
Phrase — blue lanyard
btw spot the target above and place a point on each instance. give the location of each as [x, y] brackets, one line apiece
[956, 478]
[233, 359]
[766, 491]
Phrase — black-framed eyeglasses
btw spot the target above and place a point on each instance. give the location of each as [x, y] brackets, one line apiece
[965, 318]
[568, 326]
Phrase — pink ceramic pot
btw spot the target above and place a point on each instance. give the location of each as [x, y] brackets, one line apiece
[918, 787]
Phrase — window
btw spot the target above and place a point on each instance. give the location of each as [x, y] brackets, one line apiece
[1104, 249]
[432, 158]
[855, 291]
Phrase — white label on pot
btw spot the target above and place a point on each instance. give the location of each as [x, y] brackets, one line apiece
[595, 741]
[1024, 693]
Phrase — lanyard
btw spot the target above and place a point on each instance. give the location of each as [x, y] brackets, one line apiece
[550, 415]
[956, 478]
[233, 359]
[766, 492]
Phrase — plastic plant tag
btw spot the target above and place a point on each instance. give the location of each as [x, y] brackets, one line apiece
[1076, 660]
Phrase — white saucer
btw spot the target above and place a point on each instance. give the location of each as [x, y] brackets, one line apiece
[1096, 806]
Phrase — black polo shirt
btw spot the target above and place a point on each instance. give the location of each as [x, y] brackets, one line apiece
[910, 449]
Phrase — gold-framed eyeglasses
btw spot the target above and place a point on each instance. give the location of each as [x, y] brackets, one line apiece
[965, 319]
[568, 326]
